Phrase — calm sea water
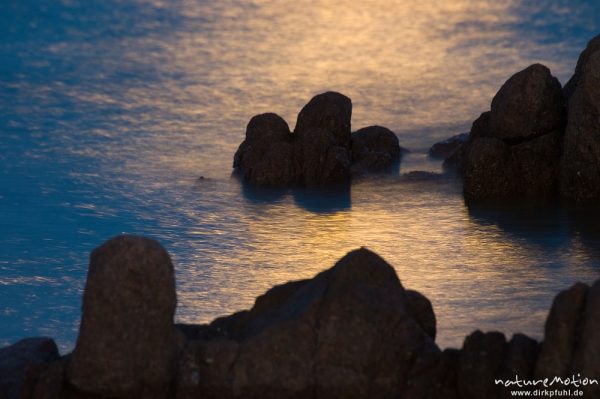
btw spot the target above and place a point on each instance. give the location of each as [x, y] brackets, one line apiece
[111, 110]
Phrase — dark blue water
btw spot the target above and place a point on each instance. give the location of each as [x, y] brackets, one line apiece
[110, 111]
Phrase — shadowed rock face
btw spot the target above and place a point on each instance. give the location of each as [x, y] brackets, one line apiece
[349, 332]
[126, 342]
[320, 153]
[20, 360]
[446, 148]
[592, 46]
[561, 332]
[329, 111]
[572, 338]
[323, 161]
[580, 167]
[265, 156]
[375, 149]
[514, 149]
[530, 104]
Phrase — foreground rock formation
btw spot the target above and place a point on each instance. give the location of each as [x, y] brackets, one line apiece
[352, 331]
[538, 141]
[321, 151]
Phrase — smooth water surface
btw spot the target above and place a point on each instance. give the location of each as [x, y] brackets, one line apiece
[111, 110]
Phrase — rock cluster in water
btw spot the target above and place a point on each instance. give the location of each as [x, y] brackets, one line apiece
[539, 140]
[321, 151]
[352, 331]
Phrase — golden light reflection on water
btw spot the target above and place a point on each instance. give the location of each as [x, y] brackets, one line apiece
[477, 274]
[136, 112]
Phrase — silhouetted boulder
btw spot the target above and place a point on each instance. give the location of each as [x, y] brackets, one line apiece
[329, 111]
[521, 355]
[529, 104]
[348, 332]
[375, 149]
[480, 362]
[446, 148]
[265, 157]
[586, 358]
[18, 360]
[319, 153]
[514, 149]
[561, 332]
[580, 167]
[592, 46]
[126, 344]
[572, 342]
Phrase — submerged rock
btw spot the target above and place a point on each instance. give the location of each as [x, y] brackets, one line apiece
[514, 150]
[126, 344]
[17, 361]
[580, 166]
[375, 149]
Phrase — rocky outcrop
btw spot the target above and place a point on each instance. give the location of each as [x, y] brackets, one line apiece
[321, 152]
[580, 167]
[289, 344]
[351, 331]
[20, 361]
[126, 344]
[375, 149]
[514, 149]
[524, 148]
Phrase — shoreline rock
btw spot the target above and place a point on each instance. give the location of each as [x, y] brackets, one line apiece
[539, 141]
[514, 149]
[351, 331]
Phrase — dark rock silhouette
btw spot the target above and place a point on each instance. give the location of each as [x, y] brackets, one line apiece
[375, 149]
[264, 157]
[329, 111]
[288, 344]
[580, 166]
[20, 361]
[561, 332]
[319, 153]
[514, 149]
[530, 104]
[323, 161]
[351, 331]
[446, 148]
[592, 46]
[126, 343]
